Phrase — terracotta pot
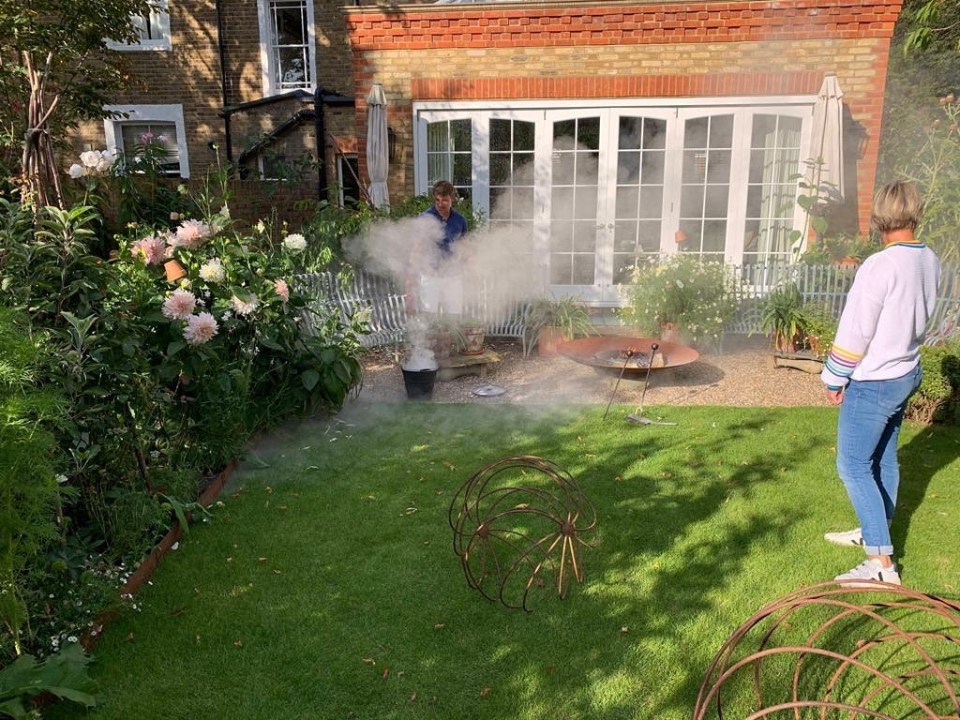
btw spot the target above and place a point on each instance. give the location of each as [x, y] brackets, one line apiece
[670, 333]
[547, 341]
[174, 270]
[473, 338]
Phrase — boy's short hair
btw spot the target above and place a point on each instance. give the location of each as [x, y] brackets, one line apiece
[444, 188]
[896, 206]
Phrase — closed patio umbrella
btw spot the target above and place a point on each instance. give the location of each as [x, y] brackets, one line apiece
[826, 147]
[377, 147]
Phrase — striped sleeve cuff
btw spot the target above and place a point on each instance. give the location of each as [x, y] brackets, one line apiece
[841, 362]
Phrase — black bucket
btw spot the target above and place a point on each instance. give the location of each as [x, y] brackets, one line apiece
[419, 383]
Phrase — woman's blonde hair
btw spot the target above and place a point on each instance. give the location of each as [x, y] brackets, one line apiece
[896, 206]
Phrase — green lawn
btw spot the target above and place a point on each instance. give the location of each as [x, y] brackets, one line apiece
[326, 586]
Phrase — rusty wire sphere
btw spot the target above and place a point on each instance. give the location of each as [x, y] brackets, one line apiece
[825, 651]
[519, 523]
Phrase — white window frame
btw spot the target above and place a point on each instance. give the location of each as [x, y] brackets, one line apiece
[145, 114]
[159, 44]
[268, 70]
[675, 109]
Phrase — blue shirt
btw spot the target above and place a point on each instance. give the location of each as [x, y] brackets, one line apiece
[454, 227]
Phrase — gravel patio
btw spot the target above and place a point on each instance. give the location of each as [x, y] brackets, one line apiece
[741, 375]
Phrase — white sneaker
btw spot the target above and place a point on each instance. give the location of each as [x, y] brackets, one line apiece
[848, 537]
[869, 569]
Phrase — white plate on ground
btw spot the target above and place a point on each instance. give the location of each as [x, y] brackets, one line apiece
[488, 390]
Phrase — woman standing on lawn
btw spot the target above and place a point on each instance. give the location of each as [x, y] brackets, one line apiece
[873, 369]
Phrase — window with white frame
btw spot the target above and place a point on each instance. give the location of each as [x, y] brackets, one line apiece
[450, 155]
[287, 41]
[152, 28]
[156, 131]
[600, 186]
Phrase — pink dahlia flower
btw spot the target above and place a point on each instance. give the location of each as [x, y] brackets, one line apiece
[190, 234]
[200, 328]
[283, 290]
[179, 305]
[152, 250]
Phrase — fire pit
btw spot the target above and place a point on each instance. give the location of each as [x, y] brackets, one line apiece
[632, 356]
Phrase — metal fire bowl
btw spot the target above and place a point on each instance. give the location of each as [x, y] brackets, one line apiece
[606, 353]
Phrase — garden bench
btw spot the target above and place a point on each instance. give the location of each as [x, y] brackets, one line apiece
[383, 304]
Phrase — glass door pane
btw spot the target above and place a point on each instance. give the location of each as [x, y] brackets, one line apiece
[771, 188]
[511, 172]
[449, 155]
[705, 184]
[641, 159]
[573, 201]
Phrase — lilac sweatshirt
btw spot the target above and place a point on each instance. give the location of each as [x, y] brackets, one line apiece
[885, 316]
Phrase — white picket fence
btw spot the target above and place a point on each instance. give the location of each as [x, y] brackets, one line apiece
[505, 314]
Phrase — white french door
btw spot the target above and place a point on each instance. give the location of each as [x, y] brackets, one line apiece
[600, 188]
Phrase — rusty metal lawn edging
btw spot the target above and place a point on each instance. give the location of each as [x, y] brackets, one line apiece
[517, 520]
[828, 651]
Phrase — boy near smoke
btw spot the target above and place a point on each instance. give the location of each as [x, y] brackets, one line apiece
[435, 280]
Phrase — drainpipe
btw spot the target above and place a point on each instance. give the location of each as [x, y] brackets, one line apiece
[222, 50]
[320, 130]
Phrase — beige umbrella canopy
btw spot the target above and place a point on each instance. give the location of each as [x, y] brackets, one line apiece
[826, 146]
[377, 147]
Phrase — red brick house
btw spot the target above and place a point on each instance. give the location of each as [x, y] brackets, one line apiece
[609, 128]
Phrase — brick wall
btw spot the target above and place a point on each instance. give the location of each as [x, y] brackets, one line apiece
[625, 49]
[190, 75]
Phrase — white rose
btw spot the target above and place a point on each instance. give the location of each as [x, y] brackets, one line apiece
[295, 242]
[90, 158]
[76, 171]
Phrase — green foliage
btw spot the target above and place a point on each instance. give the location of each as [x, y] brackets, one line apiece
[928, 24]
[841, 248]
[782, 315]
[63, 675]
[819, 327]
[28, 489]
[938, 398]
[920, 140]
[159, 381]
[698, 296]
[936, 173]
[569, 316]
[796, 323]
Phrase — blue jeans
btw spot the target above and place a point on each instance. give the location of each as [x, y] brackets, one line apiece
[870, 419]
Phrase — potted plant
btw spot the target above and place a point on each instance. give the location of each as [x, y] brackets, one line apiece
[819, 328]
[551, 321]
[471, 334]
[681, 298]
[782, 316]
[802, 332]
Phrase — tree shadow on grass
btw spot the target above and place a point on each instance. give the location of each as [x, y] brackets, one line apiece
[645, 513]
[922, 458]
[673, 547]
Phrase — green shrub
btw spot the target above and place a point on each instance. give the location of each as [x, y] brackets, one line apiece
[938, 397]
[28, 488]
[819, 326]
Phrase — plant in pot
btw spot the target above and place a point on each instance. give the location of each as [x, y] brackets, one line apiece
[681, 298]
[782, 316]
[471, 333]
[819, 327]
[554, 320]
